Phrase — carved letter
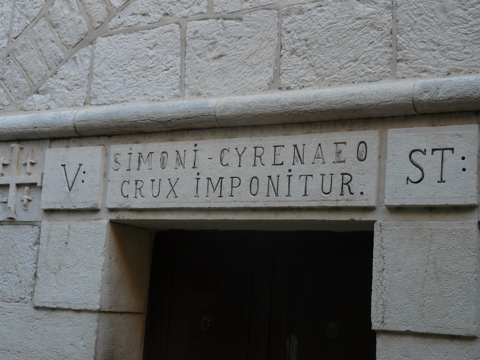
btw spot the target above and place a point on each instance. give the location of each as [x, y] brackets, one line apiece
[346, 183]
[75, 177]
[255, 156]
[172, 188]
[121, 188]
[232, 186]
[362, 151]
[163, 159]
[305, 192]
[153, 184]
[147, 161]
[275, 189]
[442, 160]
[338, 153]
[297, 156]
[115, 160]
[240, 156]
[331, 184]
[276, 155]
[222, 157]
[417, 165]
[319, 154]
[215, 187]
[178, 159]
[254, 193]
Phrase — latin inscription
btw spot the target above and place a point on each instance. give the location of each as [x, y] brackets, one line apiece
[432, 166]
[336, 169]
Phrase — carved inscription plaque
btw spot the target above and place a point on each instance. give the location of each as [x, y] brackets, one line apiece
[73, 178]
[321, 170]
[432, 166]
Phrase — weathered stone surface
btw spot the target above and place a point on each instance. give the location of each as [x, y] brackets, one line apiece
[93, 266]
[70, 265]
[116, 4]
[311, 170]
[402, 347]
[96, 11]
[126, 271]
[13, 79]
[120, 336]
[432, 166]
[46, 44]
[231, 56]
[5, 15]
[73, 178]
[18, 262]
[335, 42]
[235, 5]
[4, 99]
[425, 277]
[24, 13]
[151, 11]
[68, 22]
[30, 334]
[141, 66]
[67, 88]
[29, 60]
[437, 38]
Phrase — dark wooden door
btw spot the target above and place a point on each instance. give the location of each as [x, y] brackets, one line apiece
[228, 295]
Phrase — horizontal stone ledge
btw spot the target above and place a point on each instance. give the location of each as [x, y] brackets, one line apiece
[372, 100]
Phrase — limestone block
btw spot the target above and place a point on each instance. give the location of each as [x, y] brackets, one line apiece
[29, 334]
[73, 178]
[141, 66]
[116, 4]
[425, 277]
[13, 79]
[151, 11]
[432, 166]
[18, 262]
[335, 42]
[4, 99]
[437, 38]
[70, 265]
[401, 347]
[96, 11]
[126, 270]
[5, 15]
[29, 60]
[93, 266]
[24, 13]
[235, 5]
[68, 22]
[120, 336]
[46, 44]
[231, 56]
[67, 88]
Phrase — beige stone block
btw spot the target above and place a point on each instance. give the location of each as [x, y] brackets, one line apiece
[18, 262]
[14, 80]
[96, 11]
[235, 5]
[4, 99]
[415, 347]
[432, 166]
[30, 61]
[335, 42]
[67, 88]
[93, 266]
[437, 38]
[141, 66]
[5, 15]
[67, 22]
[425, 277]
[231, 56]
[24, 13]
[73, 178]
[120, 336]
[30, 334]
[46, 44]
[150, 11]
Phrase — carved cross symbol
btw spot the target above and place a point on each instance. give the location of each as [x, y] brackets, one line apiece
[26, 198]
[16, 179]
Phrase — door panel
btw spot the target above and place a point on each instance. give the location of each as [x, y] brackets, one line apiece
[225, 295]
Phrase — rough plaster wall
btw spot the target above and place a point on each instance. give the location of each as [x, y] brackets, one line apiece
[123, 51]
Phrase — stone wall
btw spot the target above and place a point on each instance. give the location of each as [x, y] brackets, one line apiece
[66, 54]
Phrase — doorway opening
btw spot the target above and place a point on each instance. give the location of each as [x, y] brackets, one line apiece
[255, 295]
